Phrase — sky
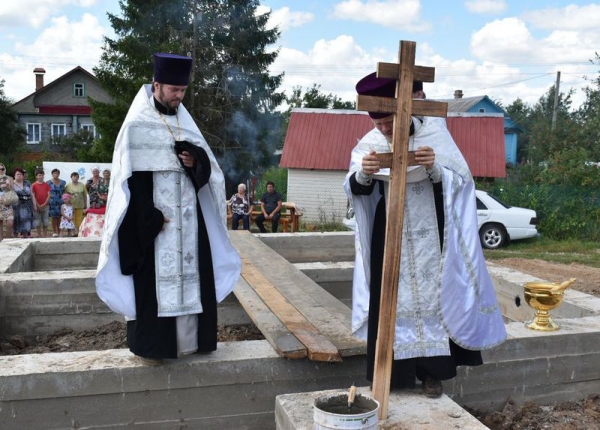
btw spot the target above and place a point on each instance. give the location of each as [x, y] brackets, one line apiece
[505, 49]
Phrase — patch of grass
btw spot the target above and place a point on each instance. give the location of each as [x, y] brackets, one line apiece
[564, 251]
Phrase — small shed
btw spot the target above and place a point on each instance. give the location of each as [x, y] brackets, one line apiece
[318, 144]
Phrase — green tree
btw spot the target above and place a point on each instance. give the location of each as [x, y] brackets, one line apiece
[231, 96]
[589, 118]
[539, 141]
[77, 147]
[12, 138]
[314, 98]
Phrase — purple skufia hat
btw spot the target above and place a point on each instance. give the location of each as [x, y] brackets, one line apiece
[371, 85]
[172, 69]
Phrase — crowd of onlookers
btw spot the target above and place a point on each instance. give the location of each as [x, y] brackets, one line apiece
[65, 208]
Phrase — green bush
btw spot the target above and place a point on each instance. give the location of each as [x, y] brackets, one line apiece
[563, 211]
[279, 177]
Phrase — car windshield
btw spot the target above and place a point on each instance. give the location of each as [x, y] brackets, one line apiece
[500, 201]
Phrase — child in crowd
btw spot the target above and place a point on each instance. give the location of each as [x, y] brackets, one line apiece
[41, 208]
[66, 223]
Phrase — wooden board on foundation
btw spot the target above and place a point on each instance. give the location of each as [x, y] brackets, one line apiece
[280, 338]
[326, 313]
[318, 347]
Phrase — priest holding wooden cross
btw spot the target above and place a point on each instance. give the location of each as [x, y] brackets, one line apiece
[446, 309]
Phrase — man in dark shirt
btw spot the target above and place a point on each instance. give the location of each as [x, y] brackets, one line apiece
[270, 204]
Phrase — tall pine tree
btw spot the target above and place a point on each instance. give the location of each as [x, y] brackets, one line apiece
[231, 95]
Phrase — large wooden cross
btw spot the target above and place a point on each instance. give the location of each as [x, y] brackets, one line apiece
[403, 106]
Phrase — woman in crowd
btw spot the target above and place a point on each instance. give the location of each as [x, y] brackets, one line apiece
[79, 198]
[6, 212]
[93, 223]
[103, 188]
[57, 189]
[241, 208]
[23, 209]
[92, 187]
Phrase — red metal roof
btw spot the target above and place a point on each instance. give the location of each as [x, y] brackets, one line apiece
[323, 139]
[66, 110]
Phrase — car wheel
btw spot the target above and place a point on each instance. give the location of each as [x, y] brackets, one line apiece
[492, 236]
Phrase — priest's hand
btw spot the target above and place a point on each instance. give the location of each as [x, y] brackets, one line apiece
[187, 159]
[166, 220]
[425, 156]
[370, 164]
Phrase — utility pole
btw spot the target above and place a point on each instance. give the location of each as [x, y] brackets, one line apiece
[556, 95]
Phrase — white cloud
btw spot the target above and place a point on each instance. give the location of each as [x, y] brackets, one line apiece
[34, 13]
[398, 14]
[571, 17]
[284, 18]
[335, 64]
[510, 41]
[507, 40]
[486, 6]
[59, 48]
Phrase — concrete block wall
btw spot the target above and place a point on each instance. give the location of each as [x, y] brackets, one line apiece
[52, 254]
[40, 303]
[542, 367]
[311, 247]
[232, 388]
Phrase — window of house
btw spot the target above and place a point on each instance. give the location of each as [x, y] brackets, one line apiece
[34, 133]
[59, 130]
[79, 90]
[481, 110]
[90, 128]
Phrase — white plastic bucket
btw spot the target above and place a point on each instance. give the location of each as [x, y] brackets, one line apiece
[331, 412]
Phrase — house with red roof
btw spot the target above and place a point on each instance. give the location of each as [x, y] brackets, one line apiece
[318, 144]
[60, 108]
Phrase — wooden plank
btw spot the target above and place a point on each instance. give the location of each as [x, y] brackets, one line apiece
[387, 104]
[330, 315]
[324, 311]
[319, 348]
[429, 108]
[392, 71]
[384, 348]
[386, 159]
[376, 104]
[280, 338]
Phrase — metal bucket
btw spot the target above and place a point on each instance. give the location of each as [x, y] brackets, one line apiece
[331, 412]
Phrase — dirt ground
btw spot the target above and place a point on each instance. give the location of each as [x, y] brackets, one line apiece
[108, 336]
[588, 278]
[577, 415]
[584, 414]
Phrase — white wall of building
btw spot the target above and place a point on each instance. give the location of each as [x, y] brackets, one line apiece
[84, 170]
[320, 193]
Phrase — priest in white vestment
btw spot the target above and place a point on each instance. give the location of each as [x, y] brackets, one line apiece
[166, 259]
[447, 309]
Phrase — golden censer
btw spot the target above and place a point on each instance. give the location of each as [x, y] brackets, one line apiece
[543, 297]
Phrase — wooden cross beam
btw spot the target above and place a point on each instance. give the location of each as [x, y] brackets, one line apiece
[403, 106]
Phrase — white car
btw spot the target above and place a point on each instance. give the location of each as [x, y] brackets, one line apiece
[500, 223]
[497, 222]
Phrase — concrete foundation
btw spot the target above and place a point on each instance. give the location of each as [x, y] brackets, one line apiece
[408, 410]
[236, 387]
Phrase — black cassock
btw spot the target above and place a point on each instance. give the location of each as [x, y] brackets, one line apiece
[148, 335]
